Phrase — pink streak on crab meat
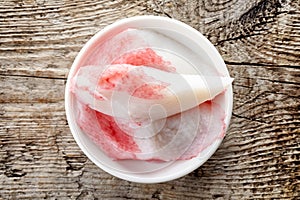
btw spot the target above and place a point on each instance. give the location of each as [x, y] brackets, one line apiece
[103, 130]
[145, 57]
[123, 77]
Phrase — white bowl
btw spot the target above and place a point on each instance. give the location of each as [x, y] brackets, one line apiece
[141, 171]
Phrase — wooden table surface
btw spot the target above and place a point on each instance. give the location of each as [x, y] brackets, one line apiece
[260, 155]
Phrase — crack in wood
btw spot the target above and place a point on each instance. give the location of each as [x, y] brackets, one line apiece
[220, 42]
[262, 64]
[32, 76]
[14, 173]
[248, 118]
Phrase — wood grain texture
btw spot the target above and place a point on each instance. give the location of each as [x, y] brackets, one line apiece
[259, 157]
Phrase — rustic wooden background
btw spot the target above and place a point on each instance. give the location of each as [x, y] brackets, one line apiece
[260, 43]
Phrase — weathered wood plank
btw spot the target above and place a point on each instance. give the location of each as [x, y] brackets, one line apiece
[18, 89]
[43, 39]
[259, 157]
[244, 31]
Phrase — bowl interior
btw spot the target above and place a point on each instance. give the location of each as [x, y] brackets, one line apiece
[143, 171]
